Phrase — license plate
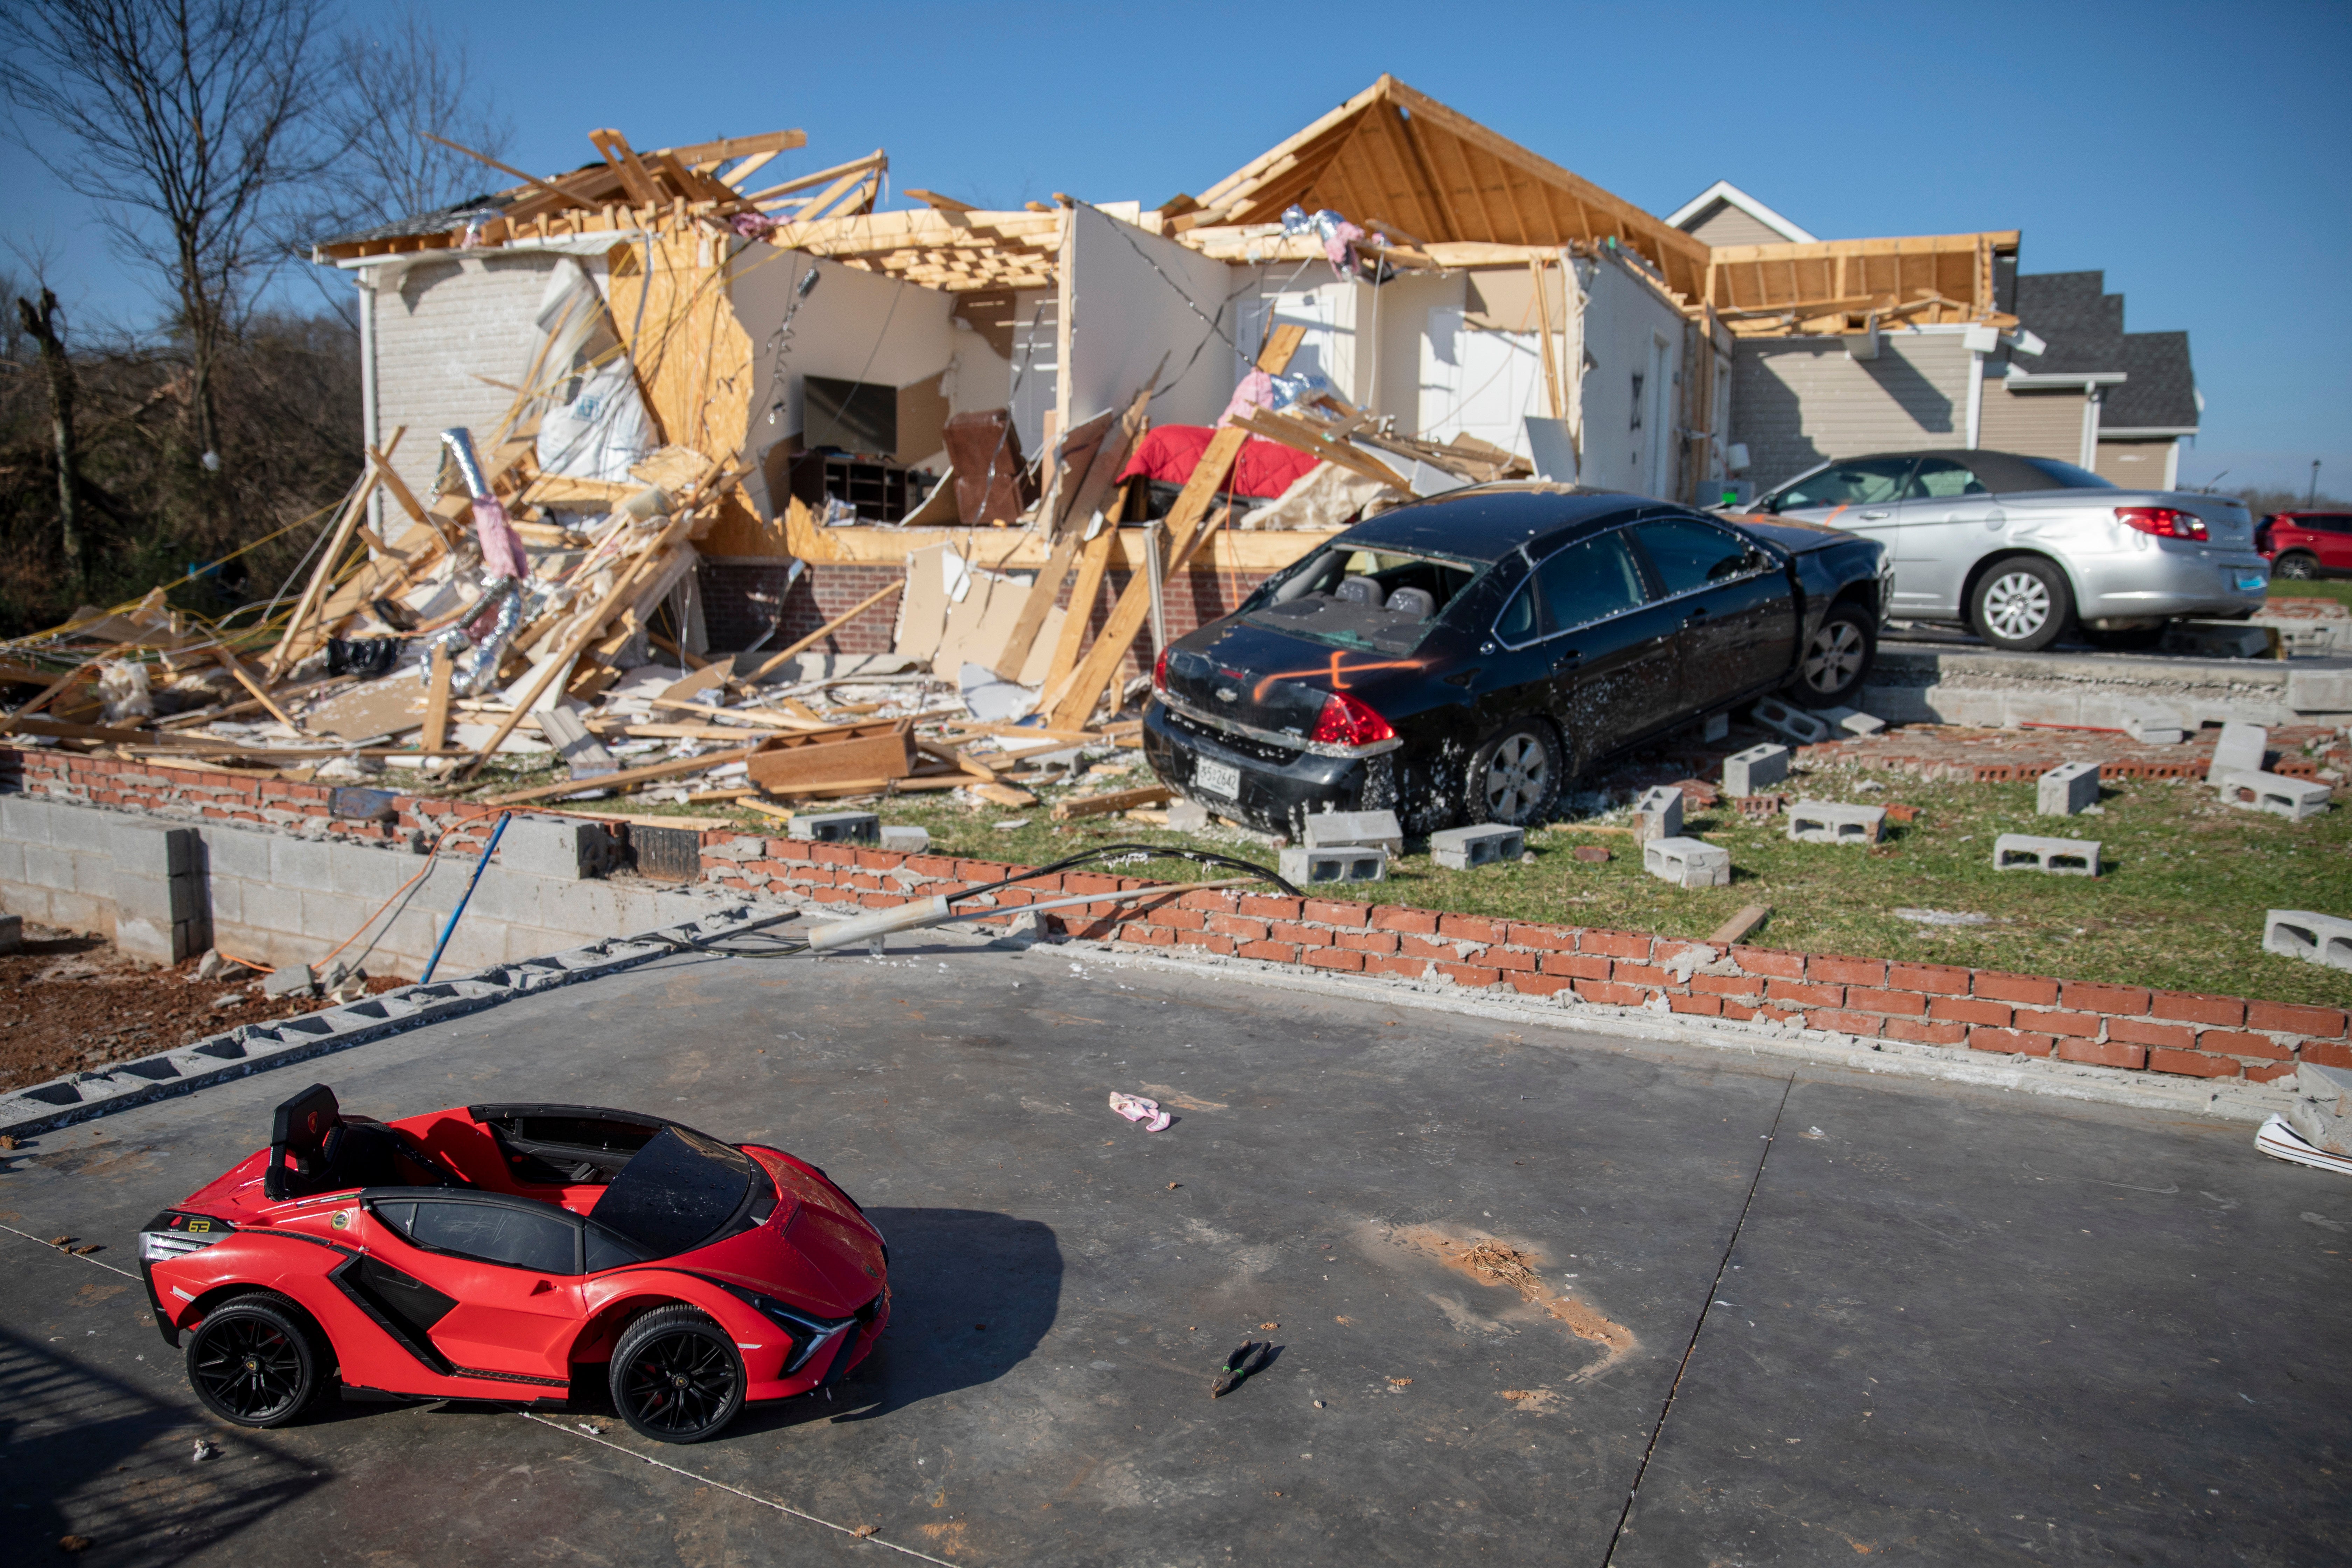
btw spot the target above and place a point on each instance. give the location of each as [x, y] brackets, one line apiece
[1219, 779]
[2248, 581]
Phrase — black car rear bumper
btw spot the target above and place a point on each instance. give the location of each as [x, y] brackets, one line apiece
[1278, 787]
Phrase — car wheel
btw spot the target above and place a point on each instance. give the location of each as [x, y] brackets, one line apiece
[677, 1377]
[1515, 777]
[2021, 604]
[1837, 658]
[257, 1360]
[2298, 565]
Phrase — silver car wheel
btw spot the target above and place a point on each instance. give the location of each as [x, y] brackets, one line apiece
[2017, 605]
[1517, 775]
[1836, 654]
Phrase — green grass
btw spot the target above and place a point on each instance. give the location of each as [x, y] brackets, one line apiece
[2337, 588]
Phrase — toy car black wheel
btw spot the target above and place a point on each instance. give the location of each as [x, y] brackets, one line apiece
[2298, 565]
[1515, 777]
[255, 1360]
[1837, 658]
[2021, 603]
[677, 1377]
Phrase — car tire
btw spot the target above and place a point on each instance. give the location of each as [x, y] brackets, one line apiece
[2300, 565]
[258, 1359]
[1514, 777]
[2021, 604]
[677, 1377]
[1837, 658]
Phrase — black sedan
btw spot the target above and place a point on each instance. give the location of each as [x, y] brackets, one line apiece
[1462, 657]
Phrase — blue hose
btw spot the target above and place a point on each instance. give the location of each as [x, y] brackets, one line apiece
[479, 867]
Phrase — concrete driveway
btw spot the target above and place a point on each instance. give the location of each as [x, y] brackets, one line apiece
[1516, 1271]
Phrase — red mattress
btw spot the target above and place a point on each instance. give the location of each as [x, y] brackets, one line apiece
[1169, 453]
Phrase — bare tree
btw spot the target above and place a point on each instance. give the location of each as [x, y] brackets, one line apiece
[194, 120]
[391, 81]
[40, 323]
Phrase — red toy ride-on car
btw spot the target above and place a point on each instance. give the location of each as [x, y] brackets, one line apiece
[510, 1252]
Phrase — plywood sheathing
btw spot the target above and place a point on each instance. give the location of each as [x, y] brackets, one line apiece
[958, 252]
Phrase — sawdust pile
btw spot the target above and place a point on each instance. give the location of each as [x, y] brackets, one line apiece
[1495, 1263]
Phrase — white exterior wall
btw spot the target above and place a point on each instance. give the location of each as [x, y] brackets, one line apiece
[1628, 329]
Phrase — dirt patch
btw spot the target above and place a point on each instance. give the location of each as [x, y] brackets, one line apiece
[1534, 1401]
[1496, 1264]
[70, 1003]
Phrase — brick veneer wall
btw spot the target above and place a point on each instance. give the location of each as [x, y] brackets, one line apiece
[2184, 1033]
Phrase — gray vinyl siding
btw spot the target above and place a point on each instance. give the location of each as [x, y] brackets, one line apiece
[440, 327]
[1724, 224]
[1796, 402]
[2037, 423]
[2135, 465]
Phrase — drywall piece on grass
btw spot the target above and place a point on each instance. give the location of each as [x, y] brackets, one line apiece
[2066, 789]
[906, 841]
[1340, 829]
[1828, 822]
[835, 827]
[2059, 856]
[1794, 722]
[2241, 750]
[1658, 813]
[1748, 771]
[1188, 816]
[2293, 799]
[1460, 848]
[2311, 937]
[1687, 862]
[1305, 866]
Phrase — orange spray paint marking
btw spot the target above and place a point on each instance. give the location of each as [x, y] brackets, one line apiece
[1337, 674]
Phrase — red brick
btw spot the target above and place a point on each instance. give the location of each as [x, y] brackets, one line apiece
[2128, 1000]
[1147, 936]
[1472, 927]
[1738, 1010]
[1219, 944]
[1179, 920]
[2103, 1053]
[1334, 958]
[1710, 1006]
[1547, 939]
[2081, 1026]
[1325, 911]
[2194, 1007]
[1239, 927]
[1610, 995]
[1805, 995]
[1269, 907]
[2272, 1072]
[2140, 1032]
[1908, 1004]
[1643, 974]
[1768, 961]
[1615, 943]
[2237, 1043]
[1926, 1033]
[1469, 974]
[1217, 902]
[1845, 1021]
[1278, 951]
[2326, 1054]
[1845, 971]
[2312, 1023]
[2195, 1064]
[2030, 989]
[1981, 1039]
[1968, 1010]
[1726, 984]
[1937, 979]
[1411, 968]
[1369, 940]
[1395, 916]
[1576, 965]
[1537, 985]
[1422, 947]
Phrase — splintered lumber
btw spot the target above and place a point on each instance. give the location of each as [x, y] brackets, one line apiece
[1109, 455]
[822, 631]
[749, 716]
[435, 737]
[977, 767]
[236, 667]
[324, 573]
[1116, 800]
[83, 671]
[629, 776]
[1091, 567]
[1004, 795]
[1736, 928]
[783, 764]
[1302, 436]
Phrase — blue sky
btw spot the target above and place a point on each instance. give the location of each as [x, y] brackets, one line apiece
[2200, 155]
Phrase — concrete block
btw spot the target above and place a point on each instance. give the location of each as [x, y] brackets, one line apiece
[11, 932]
[2293, 799]
[239, 852]
[1305, 866]
[2153, 724]
[836, 826]
[24, 821]
[12, 861]
[1687, 862]
[1187, 816]
[149, 940]
[291, 979]
[2315, 938]
[1460, 848]
[2059, 856]
[1800, 726]
[1828, 822]
[160, 898]
[1714, 727]
[1851, 720]
[1658, 813]
[2066, 789]
[47, 865]
[566, 849]
[1349, 829]
[2217, 640]
[295, 863]
[2241, 749]
[1748, 771]
[906, 841]
[85, 827]
[2321, 1114]
[2320, 691]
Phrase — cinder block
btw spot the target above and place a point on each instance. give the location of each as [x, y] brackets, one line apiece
[151, 942]
[1714, 727]
[2067, 789]
[1658, 813]
[1460, 848]
[2059, 856]
[239, 852]
[2293, 799]
[159, 899]
[1852, 720]
[1794, 722]
[836, 826]
[300, 863]
[2314, 937]
[1828, 822]
[906, 841]
[1348, 829]
[2217, 640]
[2322, 1112]
[2242, 749]
[1687, 863]
[566, 849]
[2320, 691]
[2154, 725]
[1748, 771]
[1305, 866]
[291, 979]
[24, 821]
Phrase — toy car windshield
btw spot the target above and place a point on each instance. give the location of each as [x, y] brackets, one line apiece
[678, 1192]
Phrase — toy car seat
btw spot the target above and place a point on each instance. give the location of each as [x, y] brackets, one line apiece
[297, 1144]
[315, 1148]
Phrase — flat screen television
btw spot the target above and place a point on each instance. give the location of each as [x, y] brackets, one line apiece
[857, 417]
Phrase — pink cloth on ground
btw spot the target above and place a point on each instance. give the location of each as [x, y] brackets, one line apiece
[502, 554]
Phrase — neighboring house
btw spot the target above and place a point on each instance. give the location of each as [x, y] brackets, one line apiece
[2115, 402]
[1723, 213]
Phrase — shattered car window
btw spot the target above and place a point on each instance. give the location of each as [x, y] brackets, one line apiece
[1587, 581]
[1362, 598]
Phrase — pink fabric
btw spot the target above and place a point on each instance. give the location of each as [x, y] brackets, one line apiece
[1256, 391]
[1340, 247]
[502, 554]
[1169, 453]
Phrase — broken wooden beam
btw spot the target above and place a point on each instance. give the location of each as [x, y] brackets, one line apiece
[1115, 800]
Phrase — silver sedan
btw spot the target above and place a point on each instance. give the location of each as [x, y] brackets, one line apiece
[2022, 548]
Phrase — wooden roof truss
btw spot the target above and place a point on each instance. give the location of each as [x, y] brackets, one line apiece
[1845, 285]
[955, 247]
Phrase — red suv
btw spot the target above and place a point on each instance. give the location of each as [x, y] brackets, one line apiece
[2307, 544]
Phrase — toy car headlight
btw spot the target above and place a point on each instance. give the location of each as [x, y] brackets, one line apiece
[808, 1332]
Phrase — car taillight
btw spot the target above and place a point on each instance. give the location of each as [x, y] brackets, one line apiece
[1345, 722]
[1160, 671]
[2164, 521]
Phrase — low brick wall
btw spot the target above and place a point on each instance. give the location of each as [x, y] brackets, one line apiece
[2187, 1034]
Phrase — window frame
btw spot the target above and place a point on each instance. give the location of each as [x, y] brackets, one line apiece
[1545, 631]
[532, 1207]
[1756, 550]
[1774, 503]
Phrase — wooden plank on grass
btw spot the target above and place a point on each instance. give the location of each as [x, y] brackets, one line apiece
[1736, 928]
[788, 763]
[1116, 800]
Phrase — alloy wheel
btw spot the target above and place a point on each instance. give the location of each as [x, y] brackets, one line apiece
[679, 1382]
[1834, 656]
[2301, 568]
[249, 1367]
[2016, 605]
[1517, 776]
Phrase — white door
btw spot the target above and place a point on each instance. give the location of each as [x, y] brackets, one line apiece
[1658, 418]
[1479, 383]
[1036, 369]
